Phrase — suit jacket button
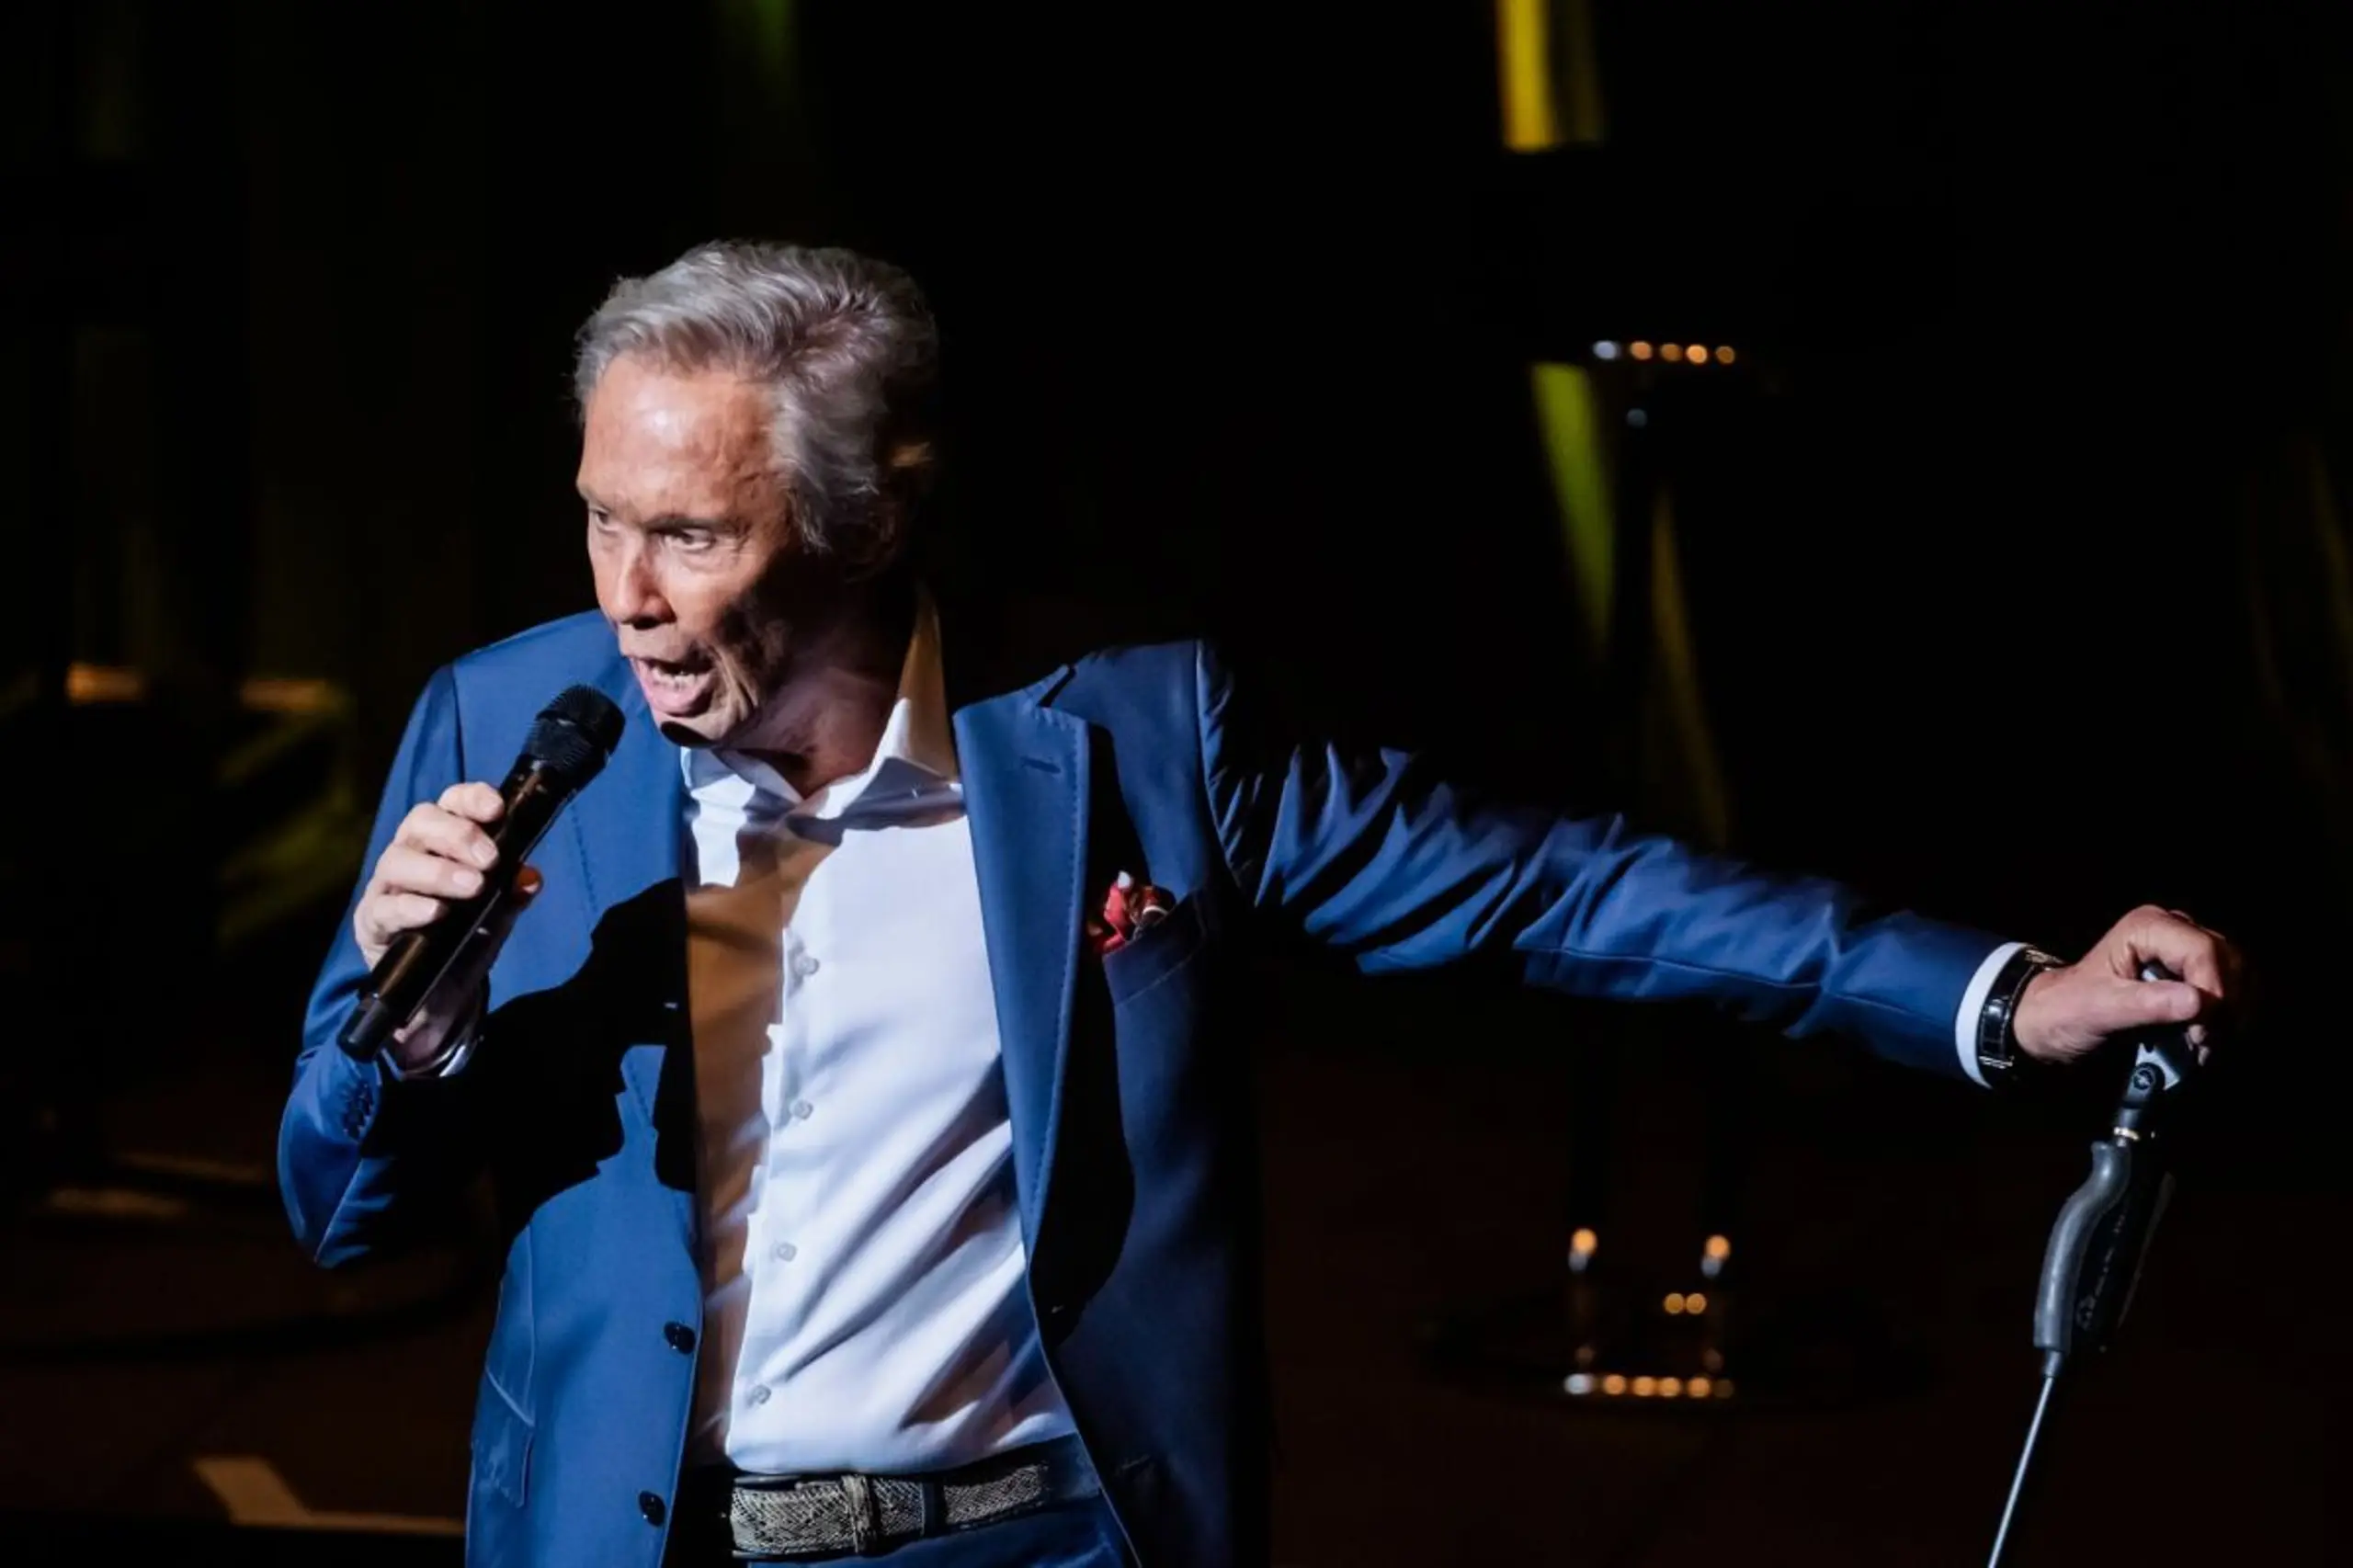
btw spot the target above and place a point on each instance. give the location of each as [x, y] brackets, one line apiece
[651, 1506]
[681, 1337]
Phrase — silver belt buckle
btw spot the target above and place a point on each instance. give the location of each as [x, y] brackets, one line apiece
[834, 1514]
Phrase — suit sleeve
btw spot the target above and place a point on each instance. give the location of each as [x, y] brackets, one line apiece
[364, 1155]
[1368, 854]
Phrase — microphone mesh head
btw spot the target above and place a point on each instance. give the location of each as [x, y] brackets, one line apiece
[574, 735]
[591, 712]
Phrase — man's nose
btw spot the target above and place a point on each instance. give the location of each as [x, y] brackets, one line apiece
[637, 599]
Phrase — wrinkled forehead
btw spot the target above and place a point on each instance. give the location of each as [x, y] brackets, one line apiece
[655, 440]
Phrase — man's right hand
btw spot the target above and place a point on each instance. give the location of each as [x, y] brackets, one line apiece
[438, 856]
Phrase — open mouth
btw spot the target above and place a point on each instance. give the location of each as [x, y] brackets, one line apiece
[674, 686]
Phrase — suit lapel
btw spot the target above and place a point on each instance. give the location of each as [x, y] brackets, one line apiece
[1025, 772]
[626, 825]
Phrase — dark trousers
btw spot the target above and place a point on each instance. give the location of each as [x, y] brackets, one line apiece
[1075, 1535]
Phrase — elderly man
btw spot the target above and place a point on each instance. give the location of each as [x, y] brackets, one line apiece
[871, 1170]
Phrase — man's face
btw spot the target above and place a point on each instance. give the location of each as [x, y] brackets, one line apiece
[692, 544]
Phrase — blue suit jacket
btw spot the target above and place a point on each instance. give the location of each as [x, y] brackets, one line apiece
[1130, 1154]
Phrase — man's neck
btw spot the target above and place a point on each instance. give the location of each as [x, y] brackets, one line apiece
[826, 721]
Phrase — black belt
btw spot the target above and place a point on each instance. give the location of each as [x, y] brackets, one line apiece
[770, 1517]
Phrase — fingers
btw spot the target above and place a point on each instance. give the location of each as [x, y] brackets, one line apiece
[393, 905]
[2075, 1009]
[438, 830]
[2183, 945]
[475, 802]
[389, 911]
[438, 854]
[406, 871]
[408, 911]
[2203, 959]
[2099, 1007]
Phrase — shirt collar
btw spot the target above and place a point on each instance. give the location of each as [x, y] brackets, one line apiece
[916, 755]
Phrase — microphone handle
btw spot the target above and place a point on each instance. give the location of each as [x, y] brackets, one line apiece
[415, 962]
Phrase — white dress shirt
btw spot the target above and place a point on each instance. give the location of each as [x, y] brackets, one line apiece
[863, 1265]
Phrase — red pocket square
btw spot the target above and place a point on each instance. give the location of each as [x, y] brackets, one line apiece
[1130, 908]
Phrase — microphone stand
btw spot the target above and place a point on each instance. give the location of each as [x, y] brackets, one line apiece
[2092, 1264]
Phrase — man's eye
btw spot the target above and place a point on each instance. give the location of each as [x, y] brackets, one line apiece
[599, 518]
[694, 541]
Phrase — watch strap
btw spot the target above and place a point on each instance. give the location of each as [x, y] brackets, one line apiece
[1999, 1060]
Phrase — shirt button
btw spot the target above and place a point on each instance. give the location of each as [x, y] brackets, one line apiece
[759, 1394]
[651, 1506]
[804, 966]
[681, 1337]
[785, 1252]
[801, 1110]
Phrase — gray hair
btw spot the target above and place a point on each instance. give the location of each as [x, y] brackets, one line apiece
[846, 343]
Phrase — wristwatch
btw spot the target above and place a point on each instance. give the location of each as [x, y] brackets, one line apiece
[1999, 1060]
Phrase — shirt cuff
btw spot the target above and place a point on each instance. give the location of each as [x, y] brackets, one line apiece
[1973, 1007]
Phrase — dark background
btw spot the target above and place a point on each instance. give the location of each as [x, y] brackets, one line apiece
[2014, 549]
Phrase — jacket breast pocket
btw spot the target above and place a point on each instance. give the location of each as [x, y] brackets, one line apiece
[1160, 951]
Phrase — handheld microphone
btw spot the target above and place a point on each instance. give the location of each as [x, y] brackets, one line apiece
[567, 747]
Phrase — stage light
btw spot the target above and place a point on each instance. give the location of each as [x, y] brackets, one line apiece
[1674, 1302]
[1723, 355]
[1699, 353]
[1524, 51]
[1578, 1383]
[1695, 1303]
[1671, 352]
[1640, 350]
[1713, 1255]
[268, 694]
[86, 683]
[1604, 351]
[1724, 1387]
[1698, 1388]
[1670, 1388]
[1613, 1384]
[1645, 1387]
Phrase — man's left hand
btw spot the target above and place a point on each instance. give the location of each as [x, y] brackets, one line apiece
[2067, 1013]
